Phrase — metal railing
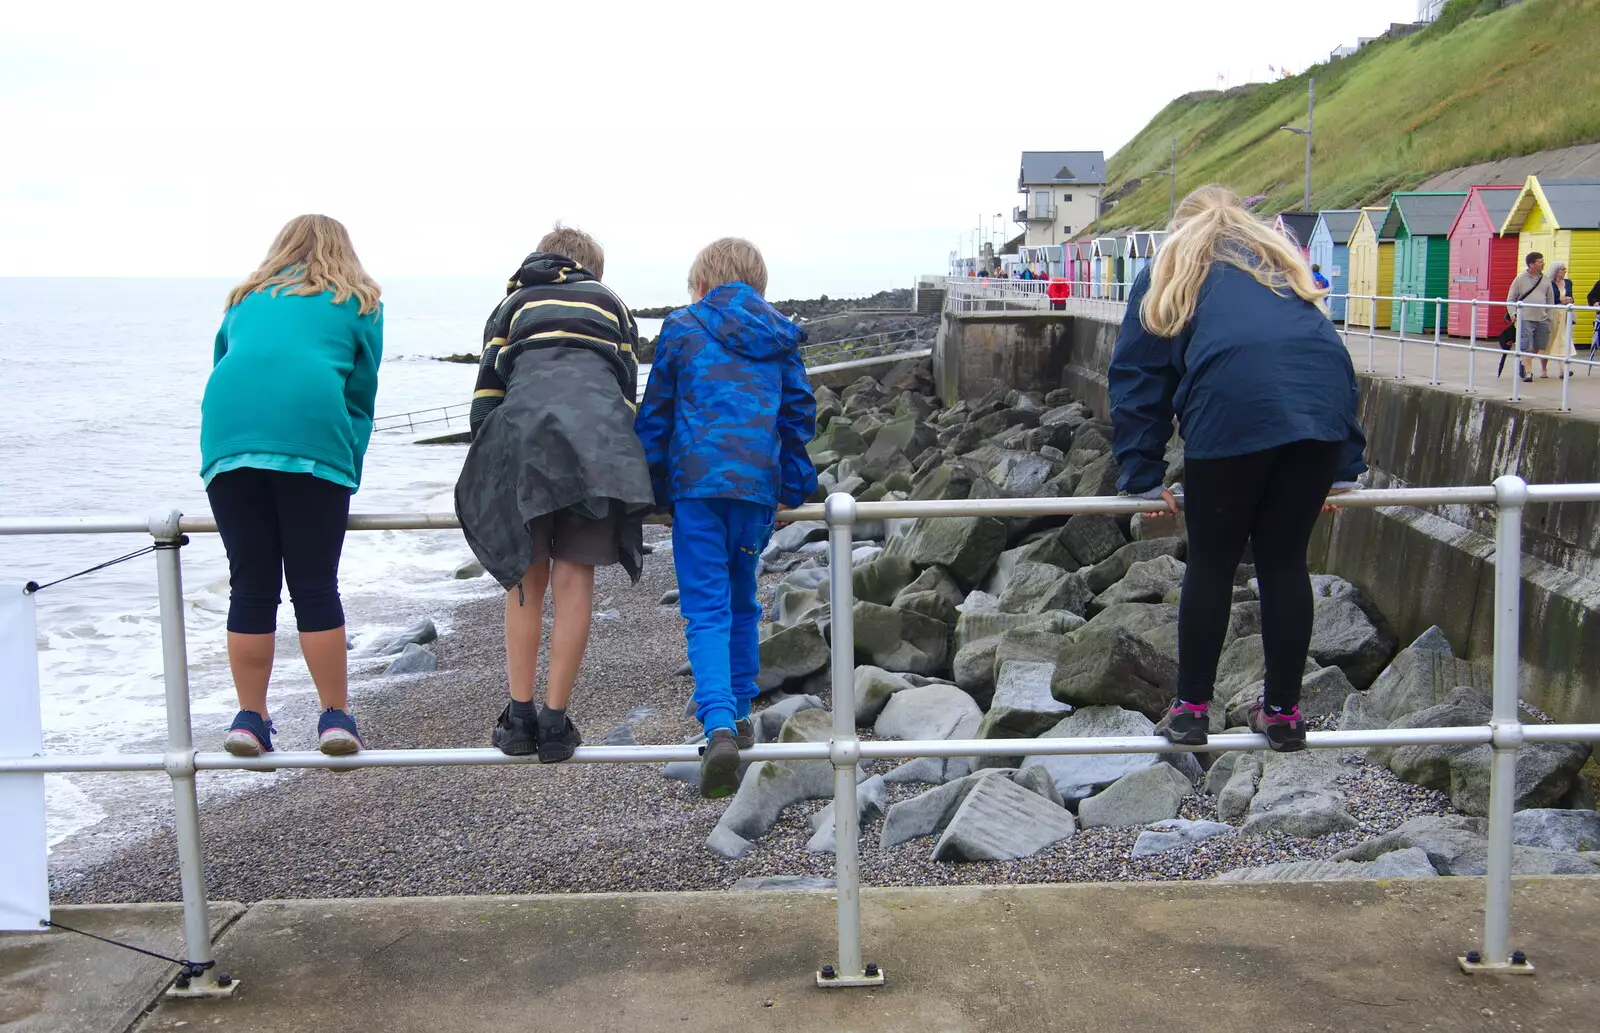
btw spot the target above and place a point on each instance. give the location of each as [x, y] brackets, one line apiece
[1096, 299]
[449, 415]
[1505, 733]
[1403, 307]
[870, 347]
[1034, 213]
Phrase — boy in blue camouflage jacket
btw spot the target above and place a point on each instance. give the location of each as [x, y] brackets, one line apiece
[726, 418]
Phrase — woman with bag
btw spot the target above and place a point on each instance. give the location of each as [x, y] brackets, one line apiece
[284, 427]
[1223, 329]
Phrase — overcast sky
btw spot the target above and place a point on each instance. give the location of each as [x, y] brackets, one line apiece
[856, 143]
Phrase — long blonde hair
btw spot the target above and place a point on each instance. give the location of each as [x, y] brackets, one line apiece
[1210, 226]
[312, 254]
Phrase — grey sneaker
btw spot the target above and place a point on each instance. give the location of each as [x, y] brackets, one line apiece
[744, 733]
[1184, 726]
[719, 765]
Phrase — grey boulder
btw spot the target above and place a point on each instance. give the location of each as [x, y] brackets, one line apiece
[1342, 635]
[1299, 796]
[1176, 834]
[413, 659]
[999, 821]
[1138, 798]
[1401, 864]
[1114, 667]
[874, 686]
[1147, 581]
[900, 640]
[1023, 706]
[872, 799]
[790, 654]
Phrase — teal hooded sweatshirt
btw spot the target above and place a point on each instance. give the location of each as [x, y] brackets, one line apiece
[292, 387]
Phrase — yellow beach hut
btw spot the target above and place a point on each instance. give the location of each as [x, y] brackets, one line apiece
[1560, 218]
[1371, 269]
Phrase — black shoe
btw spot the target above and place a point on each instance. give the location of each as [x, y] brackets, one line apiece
[515, 736]
[553, 749]
[1285, 732]
[719, 765]
[744, 733]
[1183, 726]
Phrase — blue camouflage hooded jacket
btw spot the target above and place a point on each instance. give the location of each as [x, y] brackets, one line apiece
[728, 411]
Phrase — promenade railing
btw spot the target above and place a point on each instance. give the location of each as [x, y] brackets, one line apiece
[1505, 733]
[1578, 353]
[1096, 299]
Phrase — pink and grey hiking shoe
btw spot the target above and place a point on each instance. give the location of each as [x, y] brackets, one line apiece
[1285, 729]
[1185, 723]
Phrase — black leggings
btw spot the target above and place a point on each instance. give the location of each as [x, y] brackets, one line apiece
[275, 525]
[1271, 498]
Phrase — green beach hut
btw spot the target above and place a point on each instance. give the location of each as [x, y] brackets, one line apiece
[1420, 221]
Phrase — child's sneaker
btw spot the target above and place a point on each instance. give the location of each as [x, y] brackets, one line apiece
[553, 749]
[1185, 723]
[336, 734]
[250, 735]
[1285, 730]
[515, 736]
[744, 733]
[719, 765]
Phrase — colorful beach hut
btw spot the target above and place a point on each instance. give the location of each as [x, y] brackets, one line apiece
[1054, 258]
[1108, 268]
[1560, 218]
[1330, 249]
[1482, 262]
[1298, 227]
[1371, 270]
[1419, 223]
[1083, 276]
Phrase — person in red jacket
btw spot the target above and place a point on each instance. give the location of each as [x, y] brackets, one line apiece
[1057, 290]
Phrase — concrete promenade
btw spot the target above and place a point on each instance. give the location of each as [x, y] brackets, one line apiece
[1459, 367]
[1104, 957]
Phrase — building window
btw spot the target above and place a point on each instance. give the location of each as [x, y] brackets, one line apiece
[1066, 229]
[1066, 198]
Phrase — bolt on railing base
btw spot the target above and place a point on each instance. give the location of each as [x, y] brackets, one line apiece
[1472, 964]
[830, 979]
[205, 985]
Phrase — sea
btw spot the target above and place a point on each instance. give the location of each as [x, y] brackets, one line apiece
[100, 387]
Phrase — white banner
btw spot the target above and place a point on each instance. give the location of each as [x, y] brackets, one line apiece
[24, 884]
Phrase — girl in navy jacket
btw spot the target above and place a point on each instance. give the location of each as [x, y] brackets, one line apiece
[1223, 331]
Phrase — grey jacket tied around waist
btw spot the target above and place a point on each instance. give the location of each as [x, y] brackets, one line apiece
[562, 439]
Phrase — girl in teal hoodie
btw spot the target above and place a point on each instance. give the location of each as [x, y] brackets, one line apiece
[284, 426]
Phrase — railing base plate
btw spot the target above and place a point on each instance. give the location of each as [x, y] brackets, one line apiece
[202, 988]
[1488, 968]
[832, 982]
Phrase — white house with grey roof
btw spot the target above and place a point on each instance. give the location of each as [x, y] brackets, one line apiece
[1061, 194]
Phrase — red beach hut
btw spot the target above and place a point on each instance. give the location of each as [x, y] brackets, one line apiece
[1482, 262]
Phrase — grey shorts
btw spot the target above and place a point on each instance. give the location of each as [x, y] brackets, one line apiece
[1537, 332]
[564, 535]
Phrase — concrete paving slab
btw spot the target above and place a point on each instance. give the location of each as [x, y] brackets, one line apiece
[55, 981]
[1106, 957]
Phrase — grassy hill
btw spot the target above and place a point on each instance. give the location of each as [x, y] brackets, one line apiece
[1479, 85]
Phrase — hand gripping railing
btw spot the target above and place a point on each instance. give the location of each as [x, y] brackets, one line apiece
[181, 762]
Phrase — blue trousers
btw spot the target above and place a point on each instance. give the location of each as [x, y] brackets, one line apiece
[716, 547]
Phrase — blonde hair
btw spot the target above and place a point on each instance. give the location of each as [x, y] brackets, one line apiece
[312, 254]
[571, 242]
[1210, 226]
[729, 260]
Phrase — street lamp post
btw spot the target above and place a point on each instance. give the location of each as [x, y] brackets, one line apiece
[1311, 109]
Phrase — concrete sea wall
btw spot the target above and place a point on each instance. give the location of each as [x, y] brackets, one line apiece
[1421, 567]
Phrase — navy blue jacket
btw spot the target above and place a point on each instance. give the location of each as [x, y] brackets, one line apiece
[728, 411]
[1253, 370]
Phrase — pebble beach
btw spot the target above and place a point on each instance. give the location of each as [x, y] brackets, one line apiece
[592, 828]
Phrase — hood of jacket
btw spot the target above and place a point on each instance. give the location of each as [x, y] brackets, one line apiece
[746, 323]
[544, 267]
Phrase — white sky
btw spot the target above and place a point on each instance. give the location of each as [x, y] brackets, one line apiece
[856, 143]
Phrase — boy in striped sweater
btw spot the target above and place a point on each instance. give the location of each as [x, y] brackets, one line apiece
[555, 483]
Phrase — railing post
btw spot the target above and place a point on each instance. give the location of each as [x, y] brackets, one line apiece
[1571, 316]
[1438, 329]
[1516, 350]
[1472, 344]
[1400, 374]
[1372, 332]
[1511, 495]
[845, 749]
[169, 540]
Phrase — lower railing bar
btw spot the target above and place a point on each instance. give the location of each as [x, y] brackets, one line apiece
[1563, 492]
[881, 749]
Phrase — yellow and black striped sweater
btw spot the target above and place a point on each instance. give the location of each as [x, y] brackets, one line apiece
[554, 301]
